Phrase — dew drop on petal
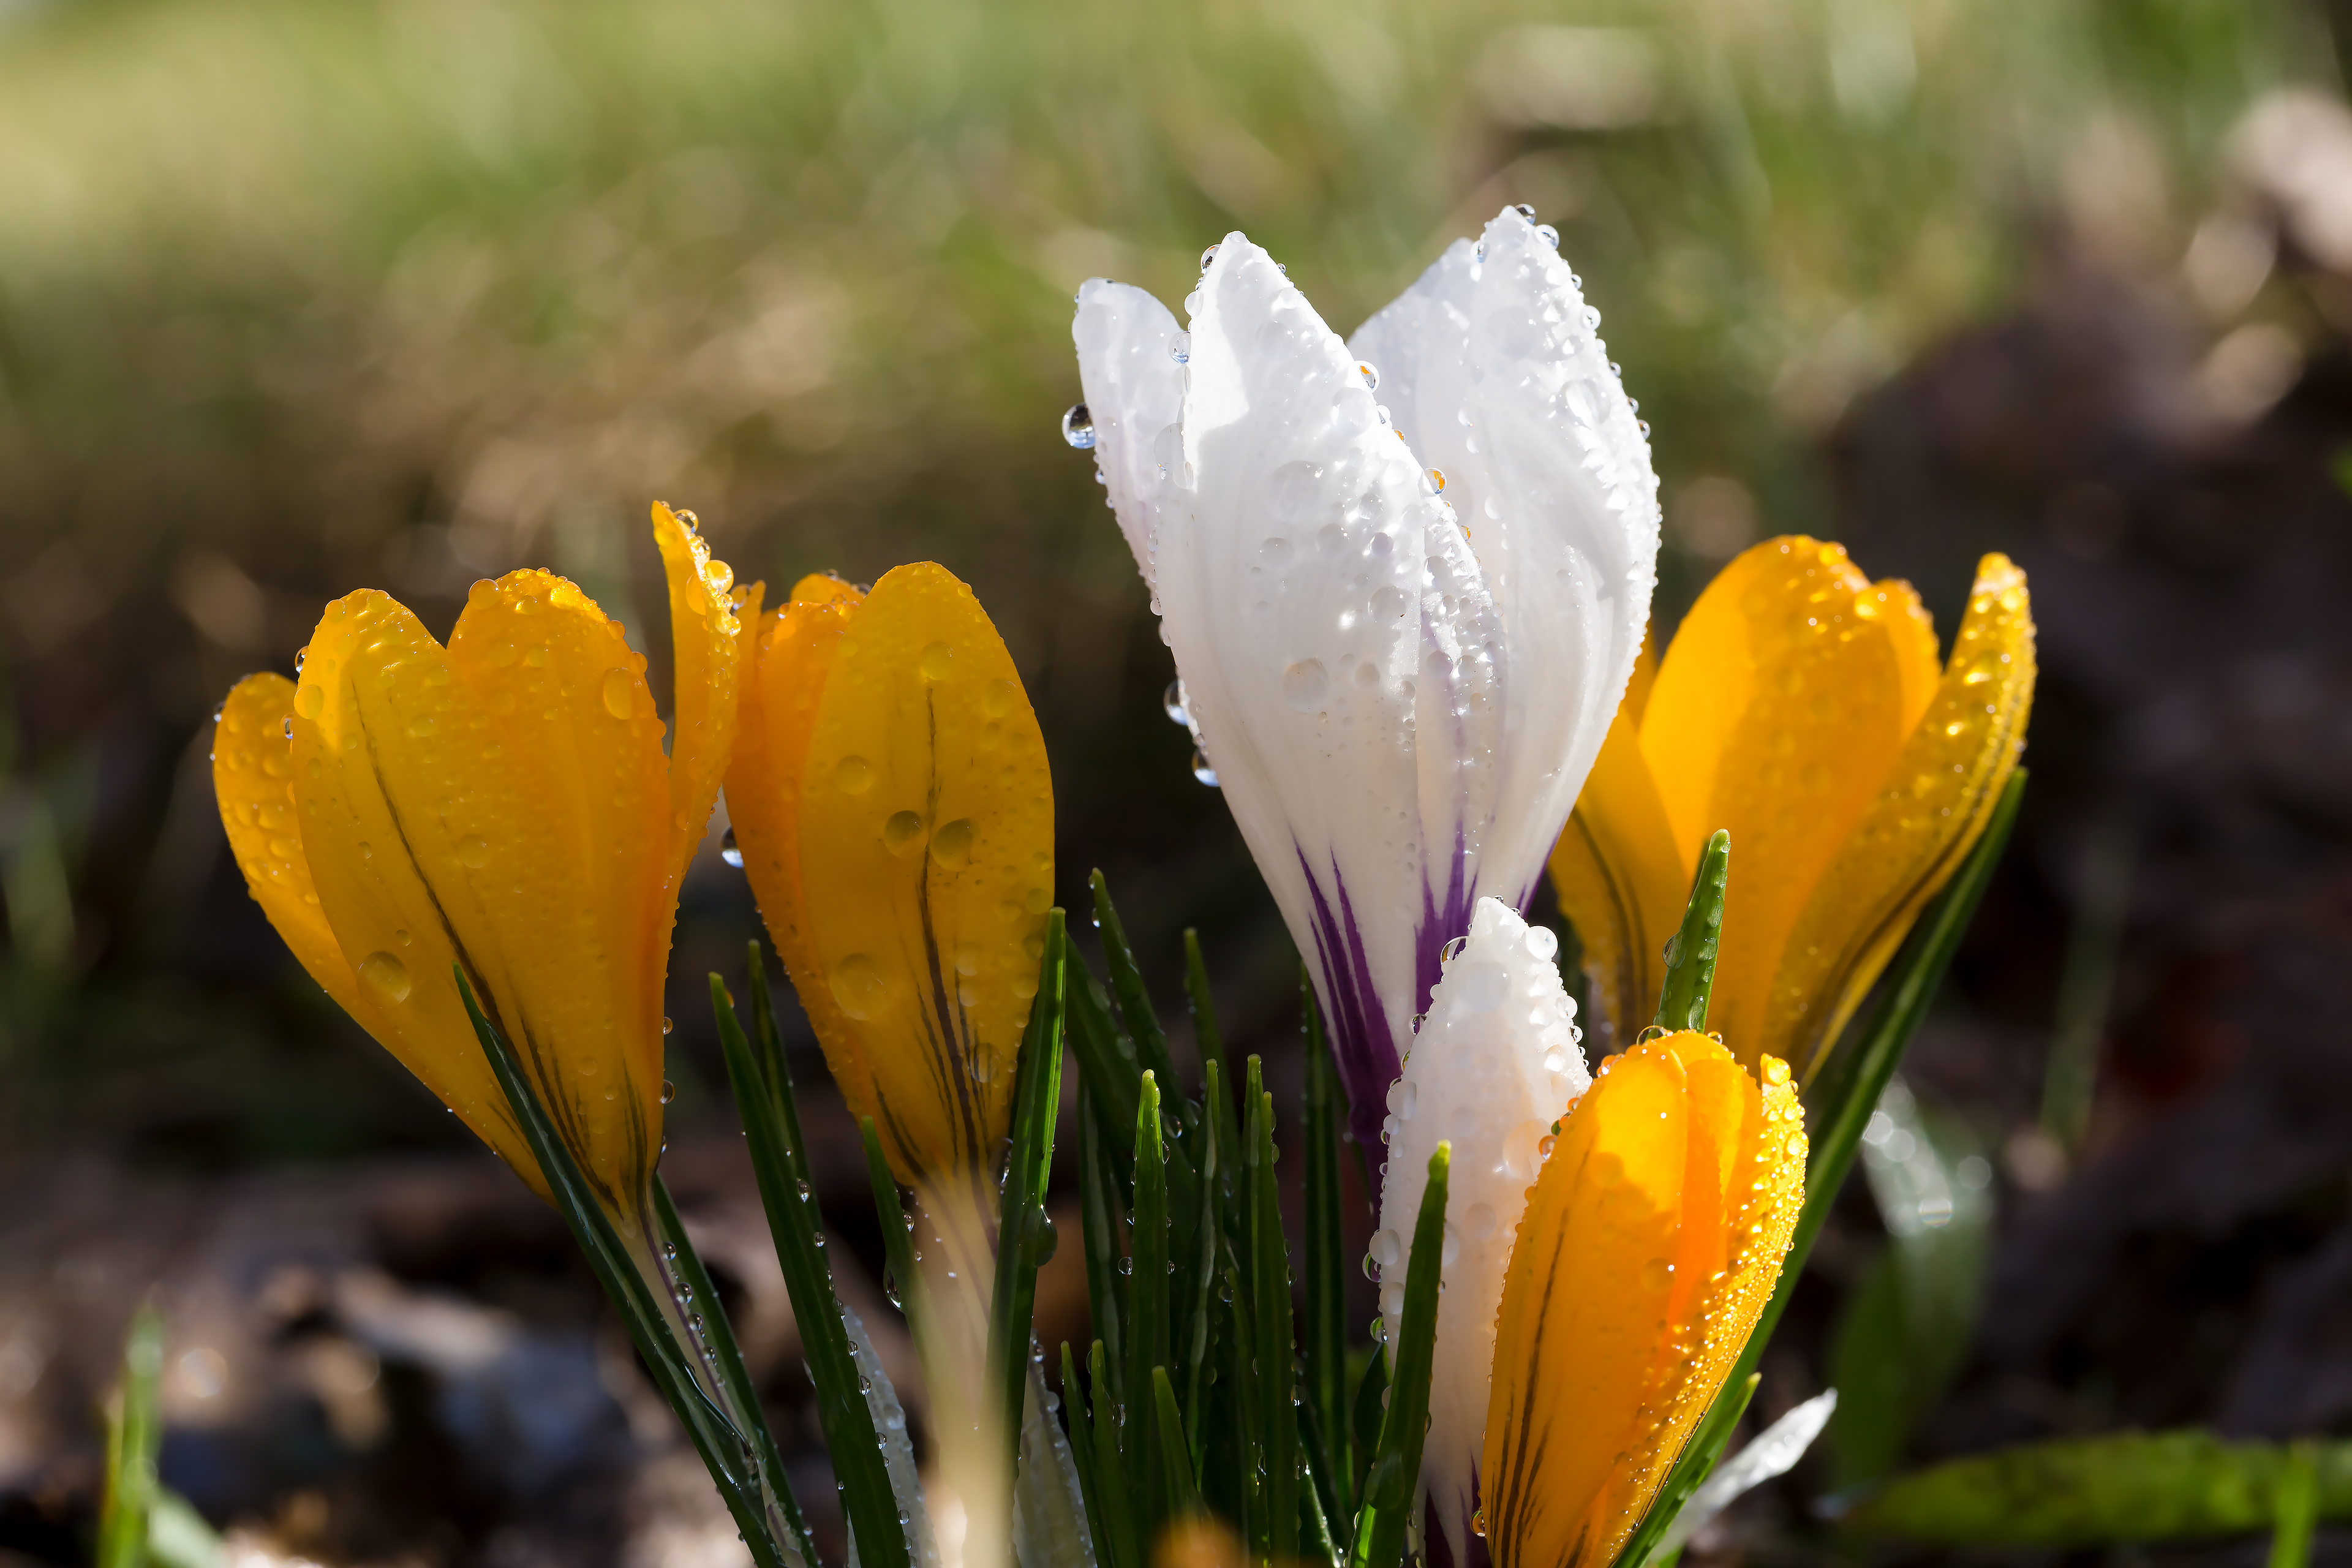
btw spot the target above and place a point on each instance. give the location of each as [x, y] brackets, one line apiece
[386, 976]
[852, 775]
[619, 692]
[473, 852]
[730, 851]
[1078, 426]
[1202, 771]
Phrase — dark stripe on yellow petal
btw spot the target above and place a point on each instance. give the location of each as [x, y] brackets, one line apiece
[1621, 882]
[1934, 802]
[926, 844]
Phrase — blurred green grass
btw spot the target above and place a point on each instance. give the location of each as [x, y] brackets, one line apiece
[298, 297]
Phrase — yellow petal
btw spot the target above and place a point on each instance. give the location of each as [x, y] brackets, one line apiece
[1620, 883]
[927, 867]
[705, 656]
[792, 652]
[503, 802]
[1925, 818]
[1787, 693]
[1650, 1245]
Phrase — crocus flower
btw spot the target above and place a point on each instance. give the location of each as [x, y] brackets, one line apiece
[1602, 1249]
[1649, 1245]
[502, 803]
[892, 803]
[1404, 577]
[1800, 707]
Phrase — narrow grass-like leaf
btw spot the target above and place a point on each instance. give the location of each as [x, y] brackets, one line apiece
[776, 1072]
[1100, 1212]
[1246, 1461]
[1277, 1386]
[723, 1359]
[2109, 1491]
[1082, 1452]
[134, 1433]
[1395, 1473]
[1317, 1542]
[1127, 988]
[1370, 1407]
[1327, 1269]
[1840, 1107]
[905, 1285]
[1691, 951]
[1326, 1490]
[2295, 1507]
[1025, 1235]
[1175, 1470]
[727, 1453]
[1147, 1305]
[1211, 1041]
[1193, 1343]
[792, 1222]
[1119, 1524]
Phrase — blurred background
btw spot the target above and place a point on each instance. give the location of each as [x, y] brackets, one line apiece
[302, 296]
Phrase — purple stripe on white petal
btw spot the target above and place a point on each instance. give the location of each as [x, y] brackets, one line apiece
[1362, 1047]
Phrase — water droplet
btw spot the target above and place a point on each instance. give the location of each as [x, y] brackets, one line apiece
[1371, 373]
[386, 976]
[903, 831]
[1437, 480]
[669, 1091]
[1202, 771]
[620, 694]
[1208, 256]
[730, 851]
[667, 1028]
[1402, 1098]
[1179, 347]
[1776, 1071]
[852, 775]
[473, 852]
[1127, 1266]
[863, 990]
[1172, 704]
[1543, 944]
[935, 661]
[310, 701]
[1478, 1524]
[1078, 426]
[1548, 235]
[1452, 951]
[951, 844]
[1480, 986]
[290, 727]
[1304, 684]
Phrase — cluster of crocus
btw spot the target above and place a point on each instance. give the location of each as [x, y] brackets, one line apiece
[1404, 579]
[503, 807]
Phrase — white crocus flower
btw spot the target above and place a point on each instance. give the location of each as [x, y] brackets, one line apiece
[1495, 1064]
[1403, 600]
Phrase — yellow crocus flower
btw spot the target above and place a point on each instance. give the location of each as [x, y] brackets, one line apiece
[503, 804]
[1800, 707]
[1651, 1243]
[893, 806]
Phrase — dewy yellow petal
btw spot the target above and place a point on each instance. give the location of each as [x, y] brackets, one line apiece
[927, 867]
[1933, 804]
[388, 933]
[791, 653]
[1617, 873]
[705, 658]
[499, 806]
[1651, 1242]
[1786, 695]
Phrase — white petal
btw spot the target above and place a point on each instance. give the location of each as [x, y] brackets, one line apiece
[1495, 376]
[1135, 393]
[1495, 1063]
[1774, 1452]
[1336, 645]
